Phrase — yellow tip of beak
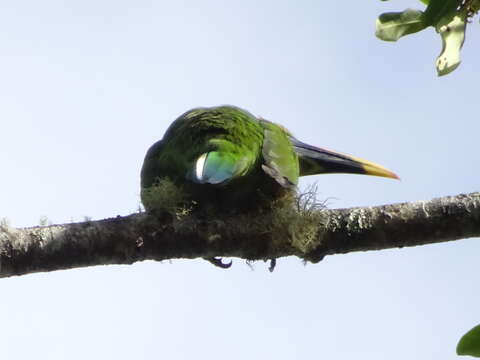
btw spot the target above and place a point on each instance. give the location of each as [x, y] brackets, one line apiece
[375, 170]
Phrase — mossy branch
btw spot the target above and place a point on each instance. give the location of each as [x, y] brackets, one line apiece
[308, 233]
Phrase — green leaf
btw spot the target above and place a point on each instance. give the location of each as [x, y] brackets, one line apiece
[393, 25]
[437, 9]
[425, 1]
[469, 344]
[452, 30]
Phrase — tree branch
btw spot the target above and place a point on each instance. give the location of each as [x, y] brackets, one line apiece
[310, 235]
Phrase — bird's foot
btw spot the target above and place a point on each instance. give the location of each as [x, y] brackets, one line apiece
[219, 262]
[273, 263]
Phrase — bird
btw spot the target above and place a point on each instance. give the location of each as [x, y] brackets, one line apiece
[227, 159]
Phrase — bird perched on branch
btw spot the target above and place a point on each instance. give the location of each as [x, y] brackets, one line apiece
[226, 158]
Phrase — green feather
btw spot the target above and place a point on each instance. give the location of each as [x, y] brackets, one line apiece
[280, 161]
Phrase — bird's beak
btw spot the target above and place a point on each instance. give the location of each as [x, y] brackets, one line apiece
[370, 168]
[314, 160]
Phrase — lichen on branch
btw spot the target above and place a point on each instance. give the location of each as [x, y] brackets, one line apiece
[301, 228]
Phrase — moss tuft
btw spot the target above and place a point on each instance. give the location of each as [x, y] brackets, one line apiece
[293, 220]
[4, 222]
[166, 197]
[300, 217]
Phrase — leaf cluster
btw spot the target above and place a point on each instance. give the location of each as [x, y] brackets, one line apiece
[448, 17]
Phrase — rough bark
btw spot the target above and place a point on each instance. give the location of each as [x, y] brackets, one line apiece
[125, 240]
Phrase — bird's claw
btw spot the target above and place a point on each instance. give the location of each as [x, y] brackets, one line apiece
[219, 262]
[273, 263]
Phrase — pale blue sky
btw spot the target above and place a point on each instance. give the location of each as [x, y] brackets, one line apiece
[87, 87]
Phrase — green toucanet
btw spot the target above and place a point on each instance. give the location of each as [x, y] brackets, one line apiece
[226, 158]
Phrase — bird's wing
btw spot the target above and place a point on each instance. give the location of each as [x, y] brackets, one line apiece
[280, 161]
